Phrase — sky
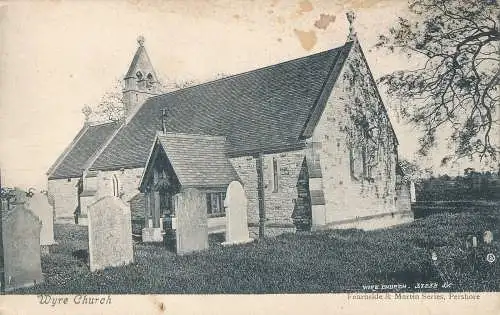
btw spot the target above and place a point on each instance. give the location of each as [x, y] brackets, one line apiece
[57, 56]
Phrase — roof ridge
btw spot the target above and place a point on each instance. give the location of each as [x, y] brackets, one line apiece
[99, 123]
[190, 135]
[242, 73]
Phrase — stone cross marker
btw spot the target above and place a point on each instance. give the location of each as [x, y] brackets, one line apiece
[192, 221]
[40, 206]
[236, 215]
[487, 237]
[21, 245]
[110, 233]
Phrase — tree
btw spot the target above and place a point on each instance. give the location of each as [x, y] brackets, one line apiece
[413, 172]
[110, 107]
[456, 89]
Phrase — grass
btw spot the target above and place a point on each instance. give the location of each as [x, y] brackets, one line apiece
[311, 262]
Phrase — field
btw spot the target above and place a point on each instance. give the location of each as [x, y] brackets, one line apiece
[312, 262]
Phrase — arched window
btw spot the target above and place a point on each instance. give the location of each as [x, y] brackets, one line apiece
[116, 186]
[139, 75]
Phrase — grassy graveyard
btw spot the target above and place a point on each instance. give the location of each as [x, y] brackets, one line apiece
[317, 262]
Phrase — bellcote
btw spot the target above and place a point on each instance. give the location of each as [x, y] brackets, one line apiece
[141, 81]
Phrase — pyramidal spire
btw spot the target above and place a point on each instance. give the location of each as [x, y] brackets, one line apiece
[141, 81]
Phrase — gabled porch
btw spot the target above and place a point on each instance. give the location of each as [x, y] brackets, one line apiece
[178, 162]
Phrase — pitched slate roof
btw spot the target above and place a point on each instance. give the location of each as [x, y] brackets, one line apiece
[90, 139]
[197, 160]
[260, 110]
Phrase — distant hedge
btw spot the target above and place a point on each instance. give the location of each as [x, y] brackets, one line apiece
[480, 187]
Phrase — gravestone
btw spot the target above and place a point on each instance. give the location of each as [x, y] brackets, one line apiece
[110, 233]
[152, 235]
[468, 241]
[474, 241]
[191, 221]
[40, 206]
[488, 237]
[21, 245]
[413, 195]
[236, 215]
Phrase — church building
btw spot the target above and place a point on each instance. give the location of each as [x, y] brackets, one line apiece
[309, 139]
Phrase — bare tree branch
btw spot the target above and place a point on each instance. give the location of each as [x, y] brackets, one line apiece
[457, 87]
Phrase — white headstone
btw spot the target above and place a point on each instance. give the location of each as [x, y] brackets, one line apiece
[474, 241]
[236, 215]
[110, 233]
[40, 206]
[413, 196]
[488, 237]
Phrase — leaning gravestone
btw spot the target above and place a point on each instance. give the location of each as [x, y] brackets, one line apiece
[110, 233]
[21, 245]
[192, 221]
[236, 215]
[40, 206]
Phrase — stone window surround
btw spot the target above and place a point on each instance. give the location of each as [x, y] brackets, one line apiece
[220, 208]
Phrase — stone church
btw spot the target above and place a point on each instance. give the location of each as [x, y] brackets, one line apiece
[309, 139]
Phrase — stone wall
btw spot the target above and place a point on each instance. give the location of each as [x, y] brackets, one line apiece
[246, 169]
[128, 183]
[65, 197]
[278, 202]
[138, 207]
[348, 196]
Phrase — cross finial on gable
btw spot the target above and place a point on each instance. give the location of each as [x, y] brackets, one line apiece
[140, 40]
[87, 111]
[351, 16]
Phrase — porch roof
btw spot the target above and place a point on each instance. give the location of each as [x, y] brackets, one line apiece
[197, 160]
